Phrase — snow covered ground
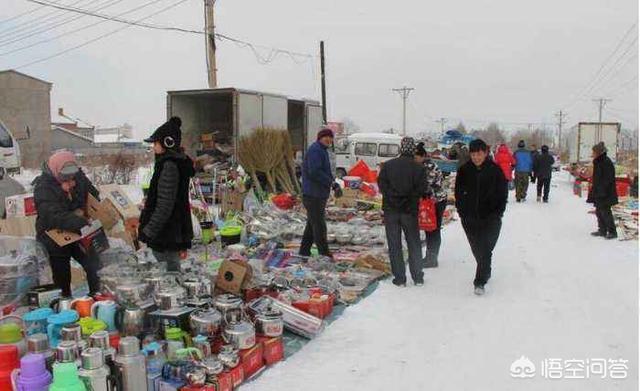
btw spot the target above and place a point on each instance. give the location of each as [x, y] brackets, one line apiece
[556, 293]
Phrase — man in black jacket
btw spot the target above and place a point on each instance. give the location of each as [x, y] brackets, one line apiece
[165, 222]
[603, 192]
[481, 198]
[402, 183]
[542, 167]
[60, 195]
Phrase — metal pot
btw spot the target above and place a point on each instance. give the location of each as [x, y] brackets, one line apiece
[240, 334]
[358, 240]
[343, 238]
[194, 288]
[168, 299]
[212, 367]
[229, 356]
[269, 323]
[230, 306]
[205, 322]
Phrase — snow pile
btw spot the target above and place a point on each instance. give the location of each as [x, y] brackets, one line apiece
[556, 292]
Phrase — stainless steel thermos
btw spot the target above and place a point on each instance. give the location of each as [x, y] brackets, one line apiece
[94, 373]
[131, 365]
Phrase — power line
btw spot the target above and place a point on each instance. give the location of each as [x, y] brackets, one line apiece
[53, 26]
[272, 54]
[28, 12]
[100, 36]
[37, 22]
[632, 45]
[79, 29]
[606, 61]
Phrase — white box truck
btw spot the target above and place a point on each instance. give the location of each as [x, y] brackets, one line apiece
[234, 112]
[583, 136]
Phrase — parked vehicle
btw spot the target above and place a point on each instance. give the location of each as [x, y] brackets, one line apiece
[232, 113]
[373, 148]
[583, 136]
[10, 158]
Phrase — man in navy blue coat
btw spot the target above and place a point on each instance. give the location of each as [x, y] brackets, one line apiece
[317, 182]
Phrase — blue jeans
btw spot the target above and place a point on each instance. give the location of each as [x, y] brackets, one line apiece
[171, 258]
[395, 224]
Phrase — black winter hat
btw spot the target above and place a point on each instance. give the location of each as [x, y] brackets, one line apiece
[169, 133]
[545, 149]
[521, 144]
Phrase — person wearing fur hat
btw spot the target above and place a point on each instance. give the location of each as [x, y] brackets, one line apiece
[317, 182]
[165, 221]
[603, 192]
[402, 183]
[60, 195]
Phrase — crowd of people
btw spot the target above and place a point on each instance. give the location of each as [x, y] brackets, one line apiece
[481, 191]
[482, 184]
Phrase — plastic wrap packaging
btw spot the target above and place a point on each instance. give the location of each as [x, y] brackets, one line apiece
[22, 262]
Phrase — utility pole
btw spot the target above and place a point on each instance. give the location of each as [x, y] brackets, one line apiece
[560, 114]
[601, 103]
[210, 43]
[404, 94]
[442, 121]
[324, 86]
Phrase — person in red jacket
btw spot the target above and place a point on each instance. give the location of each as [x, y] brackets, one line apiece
[504, 158]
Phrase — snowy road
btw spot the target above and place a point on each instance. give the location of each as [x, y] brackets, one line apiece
[556, 293]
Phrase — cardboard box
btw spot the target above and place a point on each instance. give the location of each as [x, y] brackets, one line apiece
[207, 137]
[41, 296]
[63, 238]
[93, 238]
[349, 198]
[237, 375]
[272, 349]
[103, 211]
[225, 381]
[18, 226]
[231, 276]
[20, 205]
[118, 197]
[232, 201]
[251, 360]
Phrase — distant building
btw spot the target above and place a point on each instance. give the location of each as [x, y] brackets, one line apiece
[25, 108]
[124, 130]
[73, 126]
[63, 138]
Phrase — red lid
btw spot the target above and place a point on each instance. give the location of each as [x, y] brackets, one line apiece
[9, 357]
[114, 339]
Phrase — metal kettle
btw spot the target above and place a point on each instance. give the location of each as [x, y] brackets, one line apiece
[130, 320]
[61, 303]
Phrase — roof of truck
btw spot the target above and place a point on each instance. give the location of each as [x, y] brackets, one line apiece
[228, 90]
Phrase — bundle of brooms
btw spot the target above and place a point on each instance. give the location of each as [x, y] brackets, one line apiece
[268, 151]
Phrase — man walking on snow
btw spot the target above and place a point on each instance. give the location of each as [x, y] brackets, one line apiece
[603, 192]
[481, 199]
[402, 183]
[524, 166]
[542, 167]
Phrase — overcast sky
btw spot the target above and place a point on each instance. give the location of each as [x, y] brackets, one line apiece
[477, 61]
